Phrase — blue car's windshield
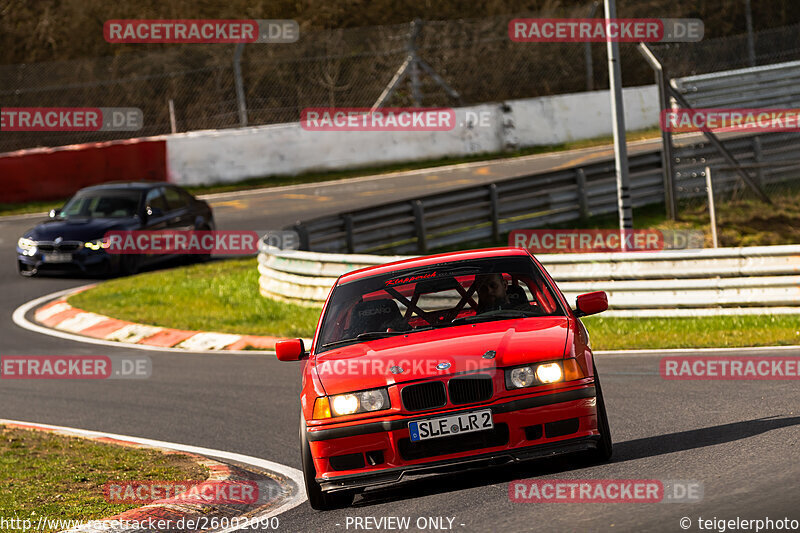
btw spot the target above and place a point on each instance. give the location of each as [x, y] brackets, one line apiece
[102, 204]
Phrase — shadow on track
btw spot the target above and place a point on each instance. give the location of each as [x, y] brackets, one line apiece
[697, 438]
[623, 451]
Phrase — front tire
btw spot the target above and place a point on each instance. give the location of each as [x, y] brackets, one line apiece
[25, 272]
[604, 449]
[319, 500]
[199, 258]
[129, 264]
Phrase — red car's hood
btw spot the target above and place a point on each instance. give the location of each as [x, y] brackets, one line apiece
[368, 364]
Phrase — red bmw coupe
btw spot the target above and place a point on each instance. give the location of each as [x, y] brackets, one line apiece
[437, 363]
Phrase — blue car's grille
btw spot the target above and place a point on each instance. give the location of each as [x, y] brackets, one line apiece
[64, 246]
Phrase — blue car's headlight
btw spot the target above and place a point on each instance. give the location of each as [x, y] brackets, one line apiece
[96, 244]
[27, 246]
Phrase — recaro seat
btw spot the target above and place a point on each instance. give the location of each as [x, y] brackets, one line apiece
[373, 315]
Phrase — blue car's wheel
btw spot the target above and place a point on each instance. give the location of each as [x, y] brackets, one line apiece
[25, 270]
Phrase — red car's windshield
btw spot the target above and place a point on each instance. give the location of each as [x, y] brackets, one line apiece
[436, 296]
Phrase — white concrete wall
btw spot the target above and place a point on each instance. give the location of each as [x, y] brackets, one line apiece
[572, 117]
[214, 156]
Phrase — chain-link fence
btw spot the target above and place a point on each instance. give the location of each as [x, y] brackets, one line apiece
[770, 46]
[346, 68]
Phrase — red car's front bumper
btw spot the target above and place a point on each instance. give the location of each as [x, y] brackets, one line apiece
[378, 453]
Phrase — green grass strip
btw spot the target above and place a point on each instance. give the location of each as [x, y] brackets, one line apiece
[220, 296]
[58, 477]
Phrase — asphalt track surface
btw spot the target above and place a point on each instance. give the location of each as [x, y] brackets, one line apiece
[740, 439]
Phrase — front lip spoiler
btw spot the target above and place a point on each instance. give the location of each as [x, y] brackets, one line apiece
[393, 476]
[392, 425]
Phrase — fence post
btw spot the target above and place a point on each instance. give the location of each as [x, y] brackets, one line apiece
[751, 46]
[348, 233]
[419, 225]
[758, 156]
[495, 212]
[237, 78]
[587, 54]
[172, 125]
[662, 81]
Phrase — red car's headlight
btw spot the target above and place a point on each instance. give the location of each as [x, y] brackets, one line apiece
[543, 373]
[351, 403]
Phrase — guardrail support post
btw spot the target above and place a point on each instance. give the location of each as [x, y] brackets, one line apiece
[348, 233]
[495, 212]
[711, 208]
[302, 233]
[583, 200]
[726, 154]
[419, 224]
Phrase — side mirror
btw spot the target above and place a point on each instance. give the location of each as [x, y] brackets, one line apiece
[54, 213]
[290, 350]
[591, 303]
[153, 212]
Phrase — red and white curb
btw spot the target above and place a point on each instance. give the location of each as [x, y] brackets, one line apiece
[54, 316]
[289, 480]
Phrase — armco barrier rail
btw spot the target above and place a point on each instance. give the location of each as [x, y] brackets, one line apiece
[483, 212]
[674, 283]
[766, 86]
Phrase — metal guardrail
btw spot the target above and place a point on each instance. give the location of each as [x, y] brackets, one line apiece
[484, 212]
[777, 152]
[671, 283]
[766, 86]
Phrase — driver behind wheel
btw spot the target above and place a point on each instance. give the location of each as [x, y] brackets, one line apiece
[494, 294]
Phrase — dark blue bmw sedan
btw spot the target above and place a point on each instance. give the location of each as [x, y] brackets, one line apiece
[71, 240]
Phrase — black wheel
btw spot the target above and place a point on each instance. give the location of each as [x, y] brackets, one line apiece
[129, 264]
[319, 500]
[25, 271]
[604, 449]
[199, 258]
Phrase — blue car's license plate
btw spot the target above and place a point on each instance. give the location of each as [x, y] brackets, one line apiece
[57, 257]
[447, 426]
